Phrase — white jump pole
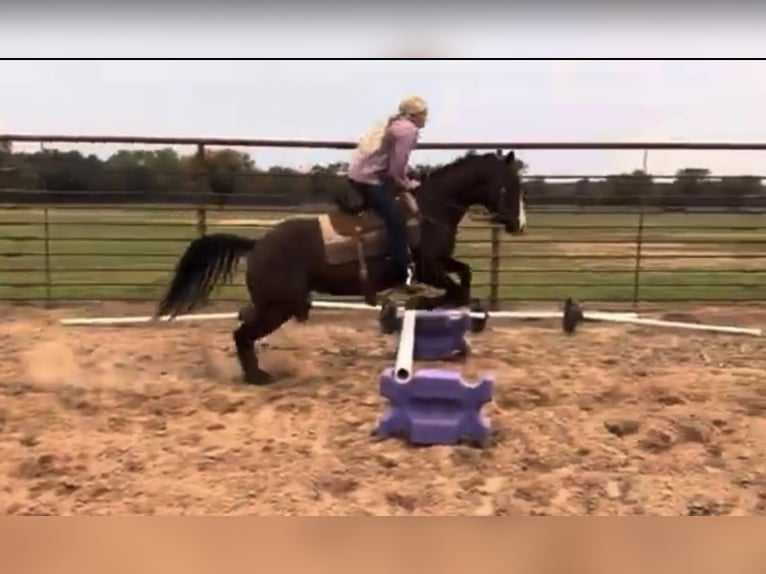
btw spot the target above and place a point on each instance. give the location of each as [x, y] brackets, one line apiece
[144, 319]
[403, 365]
[344, 305]
[587, 315]
[80, 321]
[613, 317]
[681, 325]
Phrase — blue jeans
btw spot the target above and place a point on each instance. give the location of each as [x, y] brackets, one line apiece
[382, 202]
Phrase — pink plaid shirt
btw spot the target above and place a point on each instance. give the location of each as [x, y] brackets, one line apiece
[391, 160]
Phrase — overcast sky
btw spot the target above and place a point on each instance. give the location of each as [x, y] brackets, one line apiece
[470, 100]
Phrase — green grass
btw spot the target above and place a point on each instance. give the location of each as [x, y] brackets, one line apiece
[129, 253]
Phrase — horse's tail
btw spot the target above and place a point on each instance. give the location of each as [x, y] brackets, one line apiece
[207, 261]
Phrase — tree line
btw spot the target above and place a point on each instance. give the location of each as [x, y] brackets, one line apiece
[230, 177]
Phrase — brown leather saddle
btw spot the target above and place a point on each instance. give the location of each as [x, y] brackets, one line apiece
[349, 237]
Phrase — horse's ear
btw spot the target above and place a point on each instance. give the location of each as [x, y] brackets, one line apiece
[510, 158]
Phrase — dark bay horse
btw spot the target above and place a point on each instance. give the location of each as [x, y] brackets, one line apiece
[293, 258]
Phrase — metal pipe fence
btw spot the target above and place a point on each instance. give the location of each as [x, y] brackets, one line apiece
[98, 253]
[67, 249]
[336, 144]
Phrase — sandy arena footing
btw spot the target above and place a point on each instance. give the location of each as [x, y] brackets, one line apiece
[616, 420]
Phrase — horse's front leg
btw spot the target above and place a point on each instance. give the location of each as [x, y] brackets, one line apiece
[465, 275]
[436, 275]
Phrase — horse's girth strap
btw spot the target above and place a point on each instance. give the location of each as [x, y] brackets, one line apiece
[359, 238]
[367, 291]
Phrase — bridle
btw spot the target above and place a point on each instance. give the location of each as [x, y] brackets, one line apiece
[501, 210]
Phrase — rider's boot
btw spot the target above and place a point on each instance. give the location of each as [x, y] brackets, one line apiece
[409, 285]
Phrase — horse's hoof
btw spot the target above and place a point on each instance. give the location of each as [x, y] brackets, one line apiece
[260, 378]
[478, 323]
[572, 317]
[247, 314]
[302, 314]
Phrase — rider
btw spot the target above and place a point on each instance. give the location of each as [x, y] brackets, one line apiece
[378, 170]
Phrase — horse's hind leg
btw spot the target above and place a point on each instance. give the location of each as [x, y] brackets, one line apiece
[257, 323]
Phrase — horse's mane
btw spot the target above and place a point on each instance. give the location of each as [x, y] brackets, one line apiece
[446, 169]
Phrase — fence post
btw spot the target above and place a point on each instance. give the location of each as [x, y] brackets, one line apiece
[200, 171]
[640, 234]
[494, 268]
[47, 254]
[201, 185]
[637, 266]
[201, 221]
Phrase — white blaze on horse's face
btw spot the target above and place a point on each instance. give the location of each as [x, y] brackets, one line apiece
[522, 213]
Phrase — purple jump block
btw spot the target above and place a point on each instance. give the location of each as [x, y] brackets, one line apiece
[440, 335]
[436, 406]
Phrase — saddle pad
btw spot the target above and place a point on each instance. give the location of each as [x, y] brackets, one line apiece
[340, 249]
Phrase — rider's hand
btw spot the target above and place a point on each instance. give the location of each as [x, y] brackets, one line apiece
[413, 185]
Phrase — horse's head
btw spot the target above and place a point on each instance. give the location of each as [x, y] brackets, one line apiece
[490, 180]
[505, 195]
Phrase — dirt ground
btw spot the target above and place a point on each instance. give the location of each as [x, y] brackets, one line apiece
[151, 420]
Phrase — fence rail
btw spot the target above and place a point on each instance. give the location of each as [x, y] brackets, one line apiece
[338, 144]
[54, 248]
[127, 253]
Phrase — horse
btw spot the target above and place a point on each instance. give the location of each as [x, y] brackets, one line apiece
[343, 252]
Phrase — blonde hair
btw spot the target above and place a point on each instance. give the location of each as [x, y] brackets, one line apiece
[372, 140]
